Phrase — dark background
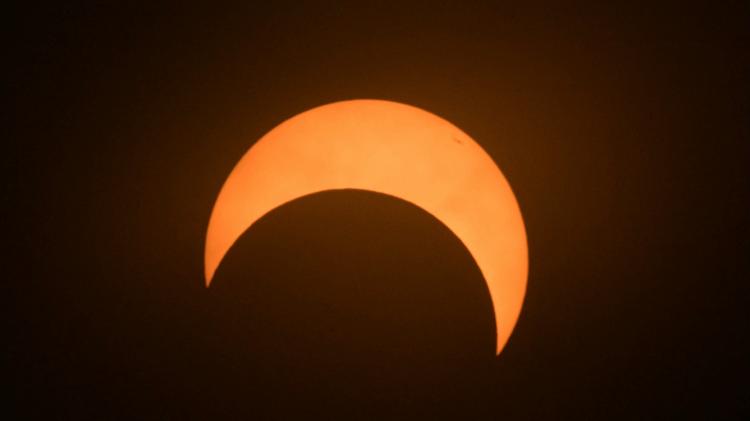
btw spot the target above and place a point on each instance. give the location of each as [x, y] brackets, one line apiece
[622, 130]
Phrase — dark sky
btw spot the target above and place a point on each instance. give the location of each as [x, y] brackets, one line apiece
[622, 130]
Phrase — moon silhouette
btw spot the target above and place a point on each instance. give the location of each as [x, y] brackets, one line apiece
[389, 148]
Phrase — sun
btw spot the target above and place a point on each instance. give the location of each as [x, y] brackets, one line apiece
[389, 148]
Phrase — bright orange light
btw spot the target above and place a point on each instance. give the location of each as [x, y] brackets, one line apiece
[389, 148]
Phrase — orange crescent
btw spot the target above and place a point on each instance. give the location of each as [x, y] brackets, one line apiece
[389, 148]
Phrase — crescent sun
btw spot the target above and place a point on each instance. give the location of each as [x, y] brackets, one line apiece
[389, 148]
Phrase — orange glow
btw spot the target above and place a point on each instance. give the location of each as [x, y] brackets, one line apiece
[389, 148]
